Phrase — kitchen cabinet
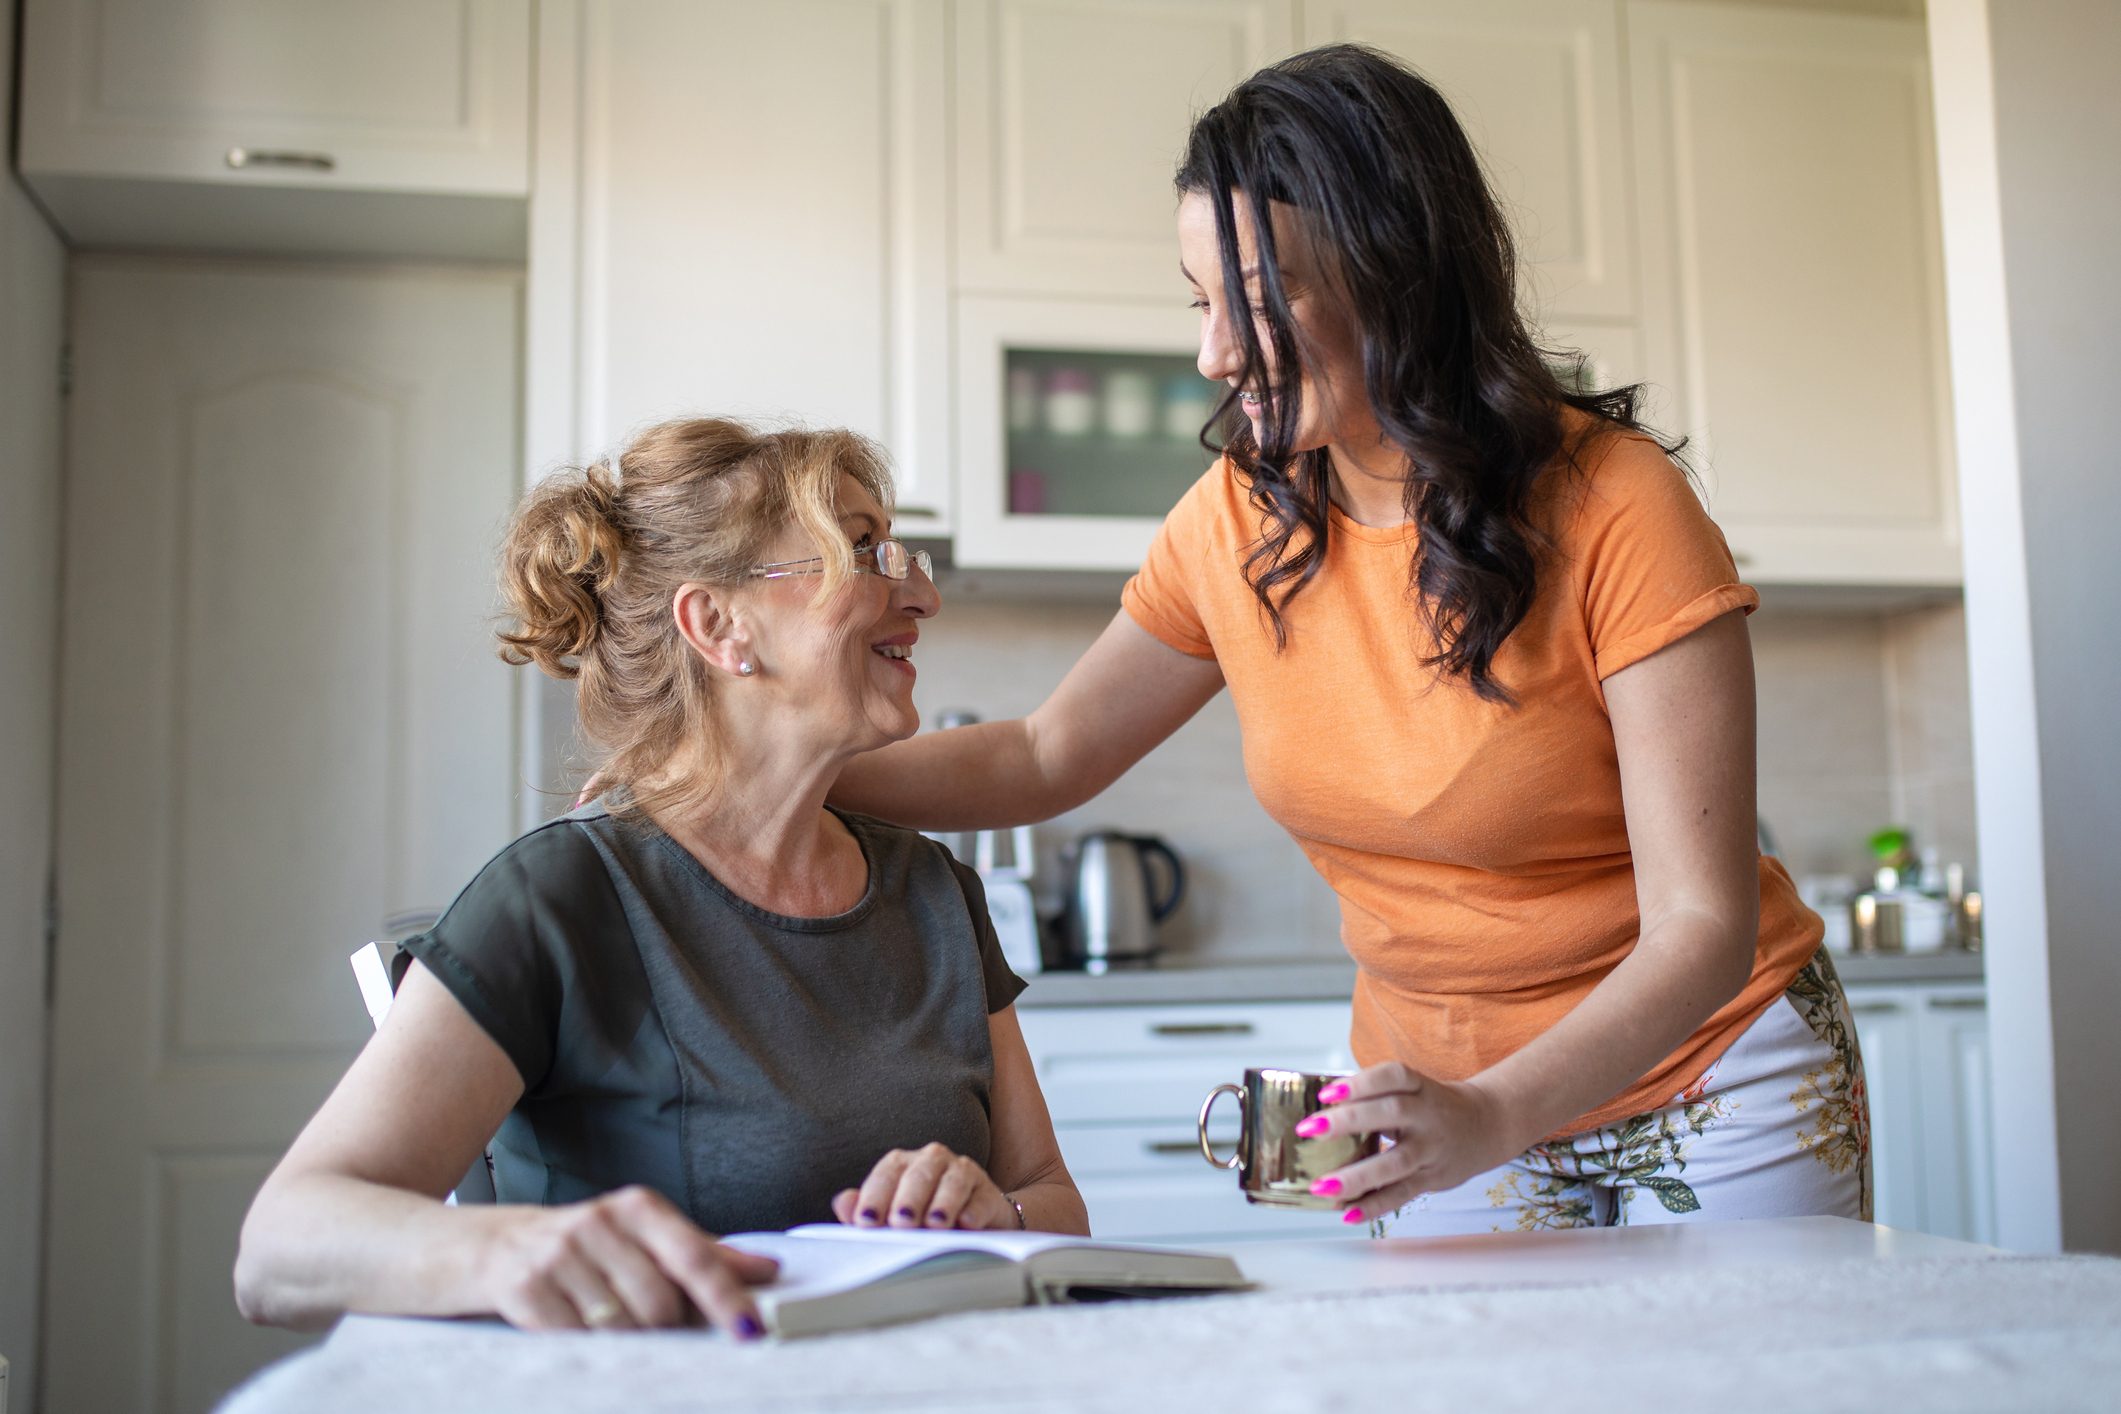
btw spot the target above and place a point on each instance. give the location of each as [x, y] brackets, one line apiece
[1537, 85]
[1792, 298]
[1925, 1064]
[1051, 474]
[711, 235]
[397, 128]
[1070, 119]
[1125, 1084]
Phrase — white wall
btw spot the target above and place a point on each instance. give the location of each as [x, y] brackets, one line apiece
[2028, 122]
[32, 288]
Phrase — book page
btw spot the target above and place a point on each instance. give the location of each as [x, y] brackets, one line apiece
[811, 1268]
[1014, 1245]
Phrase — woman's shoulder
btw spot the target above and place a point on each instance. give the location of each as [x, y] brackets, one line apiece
[558, 860]
[1610, 475]
[893, 847]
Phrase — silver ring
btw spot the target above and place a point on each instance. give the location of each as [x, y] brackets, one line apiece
[602, 1314]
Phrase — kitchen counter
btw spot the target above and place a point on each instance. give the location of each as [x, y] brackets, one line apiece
[1333, 979]
[1295, 980]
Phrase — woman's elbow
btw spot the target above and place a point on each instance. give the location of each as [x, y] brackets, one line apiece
[263, 1295]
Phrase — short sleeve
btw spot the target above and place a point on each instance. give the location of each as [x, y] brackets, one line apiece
[507, 948]
[1163, 597]
[1649, 563]
[1003, 985]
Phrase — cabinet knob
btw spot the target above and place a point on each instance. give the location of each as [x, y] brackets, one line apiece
[243, 157]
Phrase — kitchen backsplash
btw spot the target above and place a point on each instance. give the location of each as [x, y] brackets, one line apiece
[1863, 723]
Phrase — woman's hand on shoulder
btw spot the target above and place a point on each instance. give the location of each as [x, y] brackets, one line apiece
[627, 1260]
[1443, 1132]
[930, 1187]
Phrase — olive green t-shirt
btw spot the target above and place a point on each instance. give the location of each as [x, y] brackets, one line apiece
[745, 1064]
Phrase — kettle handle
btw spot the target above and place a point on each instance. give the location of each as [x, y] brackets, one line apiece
[1160, 909]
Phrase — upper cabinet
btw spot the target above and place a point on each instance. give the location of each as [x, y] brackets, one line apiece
[1538, 87]
[1793, 296]
[248, 124]
[741, 209]
[1071, 117]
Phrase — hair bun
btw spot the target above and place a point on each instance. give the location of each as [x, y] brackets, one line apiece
[560, 556]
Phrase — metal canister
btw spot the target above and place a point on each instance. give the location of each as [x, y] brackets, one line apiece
[1877, 924]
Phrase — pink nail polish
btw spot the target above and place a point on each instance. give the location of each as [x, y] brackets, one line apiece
[1353, 1215]
[1311, 1126]
[1326, 1187]
[1333, 1093]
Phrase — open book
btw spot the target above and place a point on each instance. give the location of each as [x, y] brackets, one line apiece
[838, 1278]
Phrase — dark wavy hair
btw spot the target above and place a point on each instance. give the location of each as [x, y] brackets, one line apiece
[1393, 208]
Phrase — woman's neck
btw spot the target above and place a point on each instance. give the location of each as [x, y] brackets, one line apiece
[763, 829]
[1367, 479]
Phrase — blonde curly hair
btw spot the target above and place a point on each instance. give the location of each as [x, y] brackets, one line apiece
[593, 558]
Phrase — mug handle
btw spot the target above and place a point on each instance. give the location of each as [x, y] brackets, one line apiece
[1236, 1160]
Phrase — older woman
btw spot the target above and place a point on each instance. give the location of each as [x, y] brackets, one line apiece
[709, 1003]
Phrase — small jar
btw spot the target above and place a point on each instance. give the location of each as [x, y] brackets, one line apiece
[1130, 404]
[1027, 492]
[1071, 402]
[1023, 400]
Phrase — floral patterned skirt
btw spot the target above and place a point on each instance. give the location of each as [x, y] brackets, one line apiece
[1778, 1127]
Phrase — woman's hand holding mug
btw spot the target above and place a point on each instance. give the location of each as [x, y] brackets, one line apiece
[1442, 1133]
[928, 1187]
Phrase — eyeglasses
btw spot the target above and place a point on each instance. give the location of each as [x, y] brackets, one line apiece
[892, 560]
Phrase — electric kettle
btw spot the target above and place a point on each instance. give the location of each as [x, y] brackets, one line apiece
[1115, 899]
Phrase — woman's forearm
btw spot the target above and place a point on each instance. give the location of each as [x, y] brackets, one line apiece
[1681, 972]
[320, 1245]
[980, 777]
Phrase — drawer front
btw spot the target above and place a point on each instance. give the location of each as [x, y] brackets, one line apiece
[1148, 1183]
[1115, 1065]
[1184, 1210]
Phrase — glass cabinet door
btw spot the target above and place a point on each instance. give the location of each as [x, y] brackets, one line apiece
[1102, 434]
[1079, 428]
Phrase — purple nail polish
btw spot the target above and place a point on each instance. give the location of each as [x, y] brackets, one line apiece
[748, 1327]
[868, 1215]
[1311, 1126]
[1326, 1187]
[1337, 1091]
[1353, 1215]
[937, 1215]
[905, 1212]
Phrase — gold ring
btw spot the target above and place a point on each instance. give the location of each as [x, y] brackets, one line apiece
[602, 1314]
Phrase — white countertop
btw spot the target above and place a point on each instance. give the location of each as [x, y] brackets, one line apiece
[1318, 979]
[1810, 1314]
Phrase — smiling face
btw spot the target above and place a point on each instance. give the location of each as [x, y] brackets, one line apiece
[1333, 405]
[841, 663]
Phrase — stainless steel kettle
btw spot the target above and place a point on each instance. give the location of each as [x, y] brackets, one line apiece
[1115, 901]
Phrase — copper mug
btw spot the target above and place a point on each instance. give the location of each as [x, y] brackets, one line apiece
[1274, 1165]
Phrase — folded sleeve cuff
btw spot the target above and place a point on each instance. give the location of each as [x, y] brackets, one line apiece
[1703, 610]
[1160, 627]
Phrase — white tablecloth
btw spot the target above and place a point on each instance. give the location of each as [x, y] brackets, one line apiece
[1732, 1334]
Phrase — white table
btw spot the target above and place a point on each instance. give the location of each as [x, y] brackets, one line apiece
[1789, 1315]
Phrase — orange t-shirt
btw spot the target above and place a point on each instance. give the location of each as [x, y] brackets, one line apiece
[1479, 851]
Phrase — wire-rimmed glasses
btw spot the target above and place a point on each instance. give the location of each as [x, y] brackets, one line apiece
[890, 558]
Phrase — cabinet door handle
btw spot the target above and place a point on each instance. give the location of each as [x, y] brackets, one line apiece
[1165, 1147]
[1958, 1003]
[242, 157]
[1201, 1028]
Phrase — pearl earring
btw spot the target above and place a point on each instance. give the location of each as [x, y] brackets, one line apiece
[744, 669]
